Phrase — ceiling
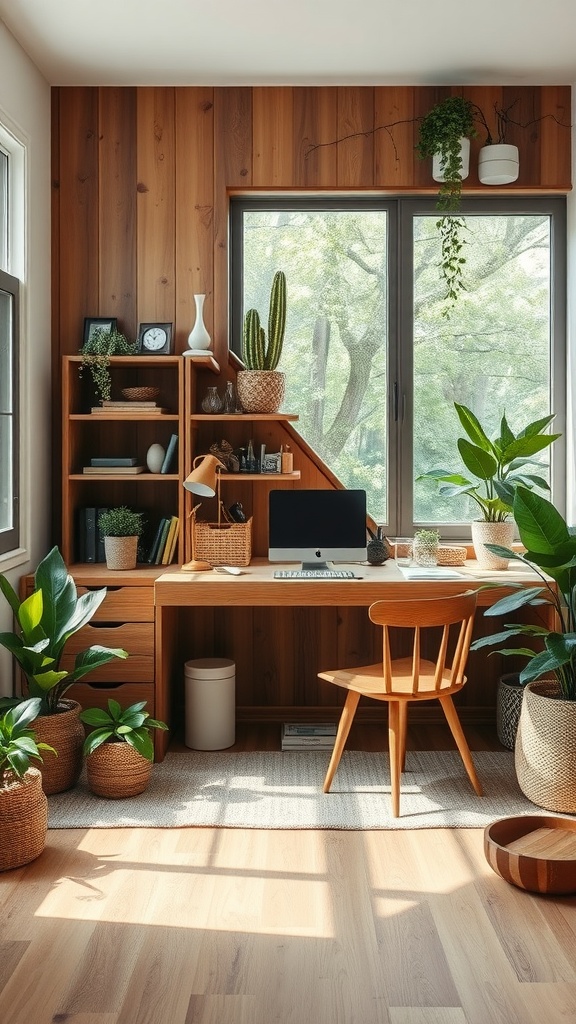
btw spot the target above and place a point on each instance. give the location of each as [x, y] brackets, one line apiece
[300, 42]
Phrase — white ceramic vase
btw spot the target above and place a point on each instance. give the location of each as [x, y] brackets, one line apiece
[155, 458]
[438, 162]
[198, 339]
[498, 164]
[491, 533]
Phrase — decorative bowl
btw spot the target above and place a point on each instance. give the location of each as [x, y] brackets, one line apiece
[454, 554]
[140, 394]
[534, 852]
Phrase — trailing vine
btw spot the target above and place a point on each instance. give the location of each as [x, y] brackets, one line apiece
[96, 353]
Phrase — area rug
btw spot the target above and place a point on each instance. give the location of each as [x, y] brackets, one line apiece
[284, 790]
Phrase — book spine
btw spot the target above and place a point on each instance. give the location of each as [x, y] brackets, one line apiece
[120, 461]
[170, 455]
[154, 546]
[169, 539]
[90, 535]
[81, 535]
[160, 552]
[100, 548]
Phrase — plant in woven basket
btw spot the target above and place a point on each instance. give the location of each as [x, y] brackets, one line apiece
[96, 352]
[119, 751]
[23, 804]
[261, 385]
[46, 620]
[130, 725]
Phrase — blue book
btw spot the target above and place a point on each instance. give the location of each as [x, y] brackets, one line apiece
[120, 461]
[169, 462]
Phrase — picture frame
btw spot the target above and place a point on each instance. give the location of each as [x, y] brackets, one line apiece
[272, 463]
[155, 339]
[96, 323]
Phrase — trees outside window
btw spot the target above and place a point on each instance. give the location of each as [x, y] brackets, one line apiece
[373, 363]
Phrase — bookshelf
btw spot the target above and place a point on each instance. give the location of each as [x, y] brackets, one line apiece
[114, 433]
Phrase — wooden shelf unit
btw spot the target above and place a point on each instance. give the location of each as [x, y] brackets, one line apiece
[85, 435]
[251, 489]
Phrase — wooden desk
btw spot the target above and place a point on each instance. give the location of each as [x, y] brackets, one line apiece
[174, 591]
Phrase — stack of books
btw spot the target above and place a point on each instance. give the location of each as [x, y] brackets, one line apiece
[164, 545]
[128, 409]
[120, 466]
[308, 735]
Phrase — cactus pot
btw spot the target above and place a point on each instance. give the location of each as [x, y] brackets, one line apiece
[260, 390]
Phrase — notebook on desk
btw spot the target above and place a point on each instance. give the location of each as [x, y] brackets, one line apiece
[418, 572]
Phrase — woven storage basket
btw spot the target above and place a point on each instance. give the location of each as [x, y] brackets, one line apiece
[260, 390]
[140, 394]
[23, 820]
[223, 543]
[121, 552]
[116, 770]
[455, 554]
[63, 731]
[545, 751]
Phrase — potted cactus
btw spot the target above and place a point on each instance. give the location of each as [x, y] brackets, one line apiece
[261, 386]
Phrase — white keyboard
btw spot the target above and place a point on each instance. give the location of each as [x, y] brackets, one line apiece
[314, 574]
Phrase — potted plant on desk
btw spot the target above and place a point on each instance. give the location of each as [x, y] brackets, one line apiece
[121, 528]
[47, 619]
[545, 750]
[498, 466]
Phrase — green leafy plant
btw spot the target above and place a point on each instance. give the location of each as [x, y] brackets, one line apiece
[551, 553]
[427, 538]
[121, 725]
[121, 522]
[18, 743]
[257, 354]
[498, 465]
[96, 353]
[47, 619]
[440, 132]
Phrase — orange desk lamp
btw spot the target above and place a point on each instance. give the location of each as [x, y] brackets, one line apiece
[204, 480]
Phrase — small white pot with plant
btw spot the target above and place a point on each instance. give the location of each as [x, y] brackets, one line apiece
[499, 466]
[121, 528]
[261, 386]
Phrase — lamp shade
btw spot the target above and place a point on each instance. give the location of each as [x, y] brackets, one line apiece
[202, 479]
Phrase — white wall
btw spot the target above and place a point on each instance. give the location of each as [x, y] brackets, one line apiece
[25, 110]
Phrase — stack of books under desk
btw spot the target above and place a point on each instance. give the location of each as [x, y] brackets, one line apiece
[307, 736]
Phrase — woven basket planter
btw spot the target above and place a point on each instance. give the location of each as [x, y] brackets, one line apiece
[545, 751]
[491, 533]
[509, 696]
[63, 731]
[23, 820]
[121, 552]
[116, 770]
[260, 390]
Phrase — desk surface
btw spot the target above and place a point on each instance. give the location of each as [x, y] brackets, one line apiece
[257, 586]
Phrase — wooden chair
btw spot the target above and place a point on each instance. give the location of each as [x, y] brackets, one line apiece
[412, 678]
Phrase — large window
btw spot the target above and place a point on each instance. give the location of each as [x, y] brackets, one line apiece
[9, 387]
[373, 363]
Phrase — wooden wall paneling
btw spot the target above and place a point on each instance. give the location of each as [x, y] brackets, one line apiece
[234, 639]
[274, 656]
[556, 148]
[355, 154]
[315, 125]
[395, 157]
[232, 172]
[526, 133]
[117, 207]
[194, 225]
[272, 137]
[78, 242]
[156, 270]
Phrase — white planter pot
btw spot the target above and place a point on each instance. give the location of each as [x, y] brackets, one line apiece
[438, 162]
[491, 533]
[498, 164]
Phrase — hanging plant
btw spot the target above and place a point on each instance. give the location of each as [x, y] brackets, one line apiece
[96, 353]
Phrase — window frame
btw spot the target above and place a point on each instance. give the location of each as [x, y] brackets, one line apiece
[10, 538]
[402, 210]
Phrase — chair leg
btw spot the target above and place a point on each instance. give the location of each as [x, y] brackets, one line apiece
[346, 719]
[403, 728]
[395, 750]
[458, 734]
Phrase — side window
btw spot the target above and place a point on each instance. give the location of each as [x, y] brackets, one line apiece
[9, 361]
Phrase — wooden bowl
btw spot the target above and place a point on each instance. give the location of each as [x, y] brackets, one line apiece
[534, 852]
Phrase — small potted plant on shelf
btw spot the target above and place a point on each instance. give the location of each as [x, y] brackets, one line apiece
[47, 619]
[498, 466]
[121, 528]
[119, 751]
[96, 352]
[545, 749]
[23, 803]
[261, 386]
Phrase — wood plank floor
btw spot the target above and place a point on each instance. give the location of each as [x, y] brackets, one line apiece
[231, 926]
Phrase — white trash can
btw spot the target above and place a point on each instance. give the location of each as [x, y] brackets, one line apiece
[210, 685]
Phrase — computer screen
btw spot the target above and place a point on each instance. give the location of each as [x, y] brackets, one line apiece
[317, 527]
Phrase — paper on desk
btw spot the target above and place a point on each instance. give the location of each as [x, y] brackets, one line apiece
[416, 572]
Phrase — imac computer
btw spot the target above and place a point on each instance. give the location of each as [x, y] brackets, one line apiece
[317, 527]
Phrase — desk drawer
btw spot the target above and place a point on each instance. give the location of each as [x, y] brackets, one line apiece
[90, 695]
[135, 637]
[124, 604]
